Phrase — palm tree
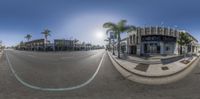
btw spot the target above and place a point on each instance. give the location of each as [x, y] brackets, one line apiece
[184, 40]
[111, 37]
[28, 37]
[117, 29]
[46, 33]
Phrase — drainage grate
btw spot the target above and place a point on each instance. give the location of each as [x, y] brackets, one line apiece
[142, 67]
[165, 68]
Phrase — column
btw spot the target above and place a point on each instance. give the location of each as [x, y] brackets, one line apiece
[176, 49]
[161, 48]
[138, 49]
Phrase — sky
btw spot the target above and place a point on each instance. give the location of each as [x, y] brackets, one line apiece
[83, 19]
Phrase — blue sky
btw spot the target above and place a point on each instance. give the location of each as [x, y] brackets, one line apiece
[81, 19]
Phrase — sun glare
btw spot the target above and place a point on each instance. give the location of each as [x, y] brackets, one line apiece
[99, 35]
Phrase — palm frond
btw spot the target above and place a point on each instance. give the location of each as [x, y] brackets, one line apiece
[46, 32]
[121, 25]
[109, 25]
[122, 22]
[28, 36]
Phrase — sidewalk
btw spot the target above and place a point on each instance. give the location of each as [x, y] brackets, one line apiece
[1, 52]
[152, 70]
[149, 60]
[136, 59]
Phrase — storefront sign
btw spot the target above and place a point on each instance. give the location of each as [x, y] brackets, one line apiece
[158, 38]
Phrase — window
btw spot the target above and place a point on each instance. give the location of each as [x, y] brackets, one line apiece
[134, 39]
[165, 31]
[167, 48]
[153, 30]
[131, 38]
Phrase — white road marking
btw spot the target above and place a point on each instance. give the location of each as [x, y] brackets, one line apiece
[54, 89]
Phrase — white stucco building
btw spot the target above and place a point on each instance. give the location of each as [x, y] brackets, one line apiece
[155, 40]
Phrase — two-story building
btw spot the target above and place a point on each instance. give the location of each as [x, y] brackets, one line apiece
[157, 41]
[35, 45]
[62, 44]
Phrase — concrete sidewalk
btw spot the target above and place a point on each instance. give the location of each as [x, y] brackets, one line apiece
[1, 52]
[153, 70]
[154, 73]
[136, 59]
[141, 59]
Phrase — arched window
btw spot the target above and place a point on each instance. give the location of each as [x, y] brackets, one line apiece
[134, 38]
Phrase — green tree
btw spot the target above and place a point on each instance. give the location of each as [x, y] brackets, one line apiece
[184, 40]
[46, 33]
[118, 29]
[28, 37]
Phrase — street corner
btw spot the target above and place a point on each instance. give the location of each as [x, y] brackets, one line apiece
[154, 74]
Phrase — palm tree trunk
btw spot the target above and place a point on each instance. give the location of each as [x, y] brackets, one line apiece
[118, 45]
[109, 42]
[113, 47]
[45, 44]
[185, 52]
[181, 50]
[28, 46]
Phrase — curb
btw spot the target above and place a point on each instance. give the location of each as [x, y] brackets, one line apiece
[198, 58]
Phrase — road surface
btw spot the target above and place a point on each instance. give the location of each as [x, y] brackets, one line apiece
[68, 69]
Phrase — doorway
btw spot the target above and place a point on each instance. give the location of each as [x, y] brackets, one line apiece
[151, 48]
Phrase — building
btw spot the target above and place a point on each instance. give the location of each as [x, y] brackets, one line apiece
[68, 45]
[63, 45]
[194, 46]
[157, 41]
[58, 45]
[123, 43]
[198, 49]
[35, 45]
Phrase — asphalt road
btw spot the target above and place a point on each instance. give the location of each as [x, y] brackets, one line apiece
[67, 69]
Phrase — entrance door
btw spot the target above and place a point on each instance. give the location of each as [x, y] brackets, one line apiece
[133, 49]
[151, 48]
[158, 49]
[146, 48]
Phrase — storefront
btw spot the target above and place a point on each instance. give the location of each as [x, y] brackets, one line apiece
[157, 44]
[157, 40]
